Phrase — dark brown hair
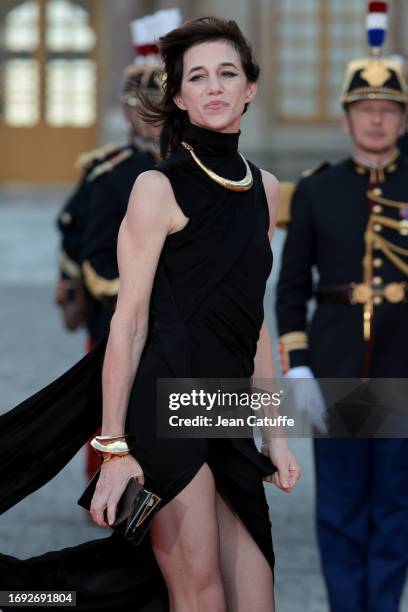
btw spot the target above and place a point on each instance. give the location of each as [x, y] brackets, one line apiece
[172, 48]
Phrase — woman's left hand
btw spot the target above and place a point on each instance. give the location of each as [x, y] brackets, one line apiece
[288, 472]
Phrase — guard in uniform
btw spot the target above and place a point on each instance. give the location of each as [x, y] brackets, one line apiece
[112, 183]
[349, 223]
[77, 307]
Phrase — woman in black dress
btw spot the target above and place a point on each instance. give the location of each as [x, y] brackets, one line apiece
[194, 257]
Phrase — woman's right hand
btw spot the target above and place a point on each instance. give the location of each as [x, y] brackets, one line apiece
[111, 484]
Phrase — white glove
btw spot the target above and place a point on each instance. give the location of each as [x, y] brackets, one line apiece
[308, 396]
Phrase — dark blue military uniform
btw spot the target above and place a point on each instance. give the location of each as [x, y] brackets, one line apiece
[403, 144]
[104, 213]
[77, 305]
[89, 224]
[348, 220]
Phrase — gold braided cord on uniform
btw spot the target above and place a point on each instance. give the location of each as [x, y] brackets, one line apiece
[98, 286]
[68, 265]
[391, 246]
[367, 276]
[393, 223]
[397, 261]
[373, 239]
[385, 201]
[389, 250]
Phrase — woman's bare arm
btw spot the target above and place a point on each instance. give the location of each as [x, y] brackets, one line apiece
[264, 365]
[274, 444]
[272, 191]
[141, 237]
[152, 214]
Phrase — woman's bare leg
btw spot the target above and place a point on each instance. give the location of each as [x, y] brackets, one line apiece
[246, 574]
[208, 558]
[185, 541]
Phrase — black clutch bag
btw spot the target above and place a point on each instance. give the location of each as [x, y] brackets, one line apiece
[134, 512]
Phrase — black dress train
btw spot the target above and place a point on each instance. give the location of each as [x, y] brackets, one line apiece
[205, 316]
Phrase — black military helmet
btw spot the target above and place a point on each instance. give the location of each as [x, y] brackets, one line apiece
[374, 78]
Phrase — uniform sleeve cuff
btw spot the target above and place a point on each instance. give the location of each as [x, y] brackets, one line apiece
[293, 350]
[298, 357]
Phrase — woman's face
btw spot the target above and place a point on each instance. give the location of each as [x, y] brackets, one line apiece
[214, 88]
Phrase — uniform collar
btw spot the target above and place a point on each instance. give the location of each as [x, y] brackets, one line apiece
[377, 172]
[146, 146]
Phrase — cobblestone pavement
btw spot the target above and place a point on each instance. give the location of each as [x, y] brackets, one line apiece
[35, 350]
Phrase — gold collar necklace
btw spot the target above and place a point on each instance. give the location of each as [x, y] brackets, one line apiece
[242, 185]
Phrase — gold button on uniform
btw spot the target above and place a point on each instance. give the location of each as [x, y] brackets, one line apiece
[403, 227]
[377, 191]
[377, 299]
[377, 208]
[377, 280]
[377, 262]
[65, 218]
[377, 227]
[392, 168]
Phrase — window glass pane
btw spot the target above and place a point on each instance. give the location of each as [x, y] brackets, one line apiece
[21, 27]
[297, 106]
[314, 41]
[290, 8]
[71, 92]
[68, 27]
[346, 33]
[20, 94]
[298, 55]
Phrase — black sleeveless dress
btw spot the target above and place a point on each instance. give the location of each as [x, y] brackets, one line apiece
[205, 316]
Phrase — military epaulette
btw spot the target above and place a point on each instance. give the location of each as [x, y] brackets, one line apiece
[86, 159]
[110, 164]
[319, 168]
[286, 193]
